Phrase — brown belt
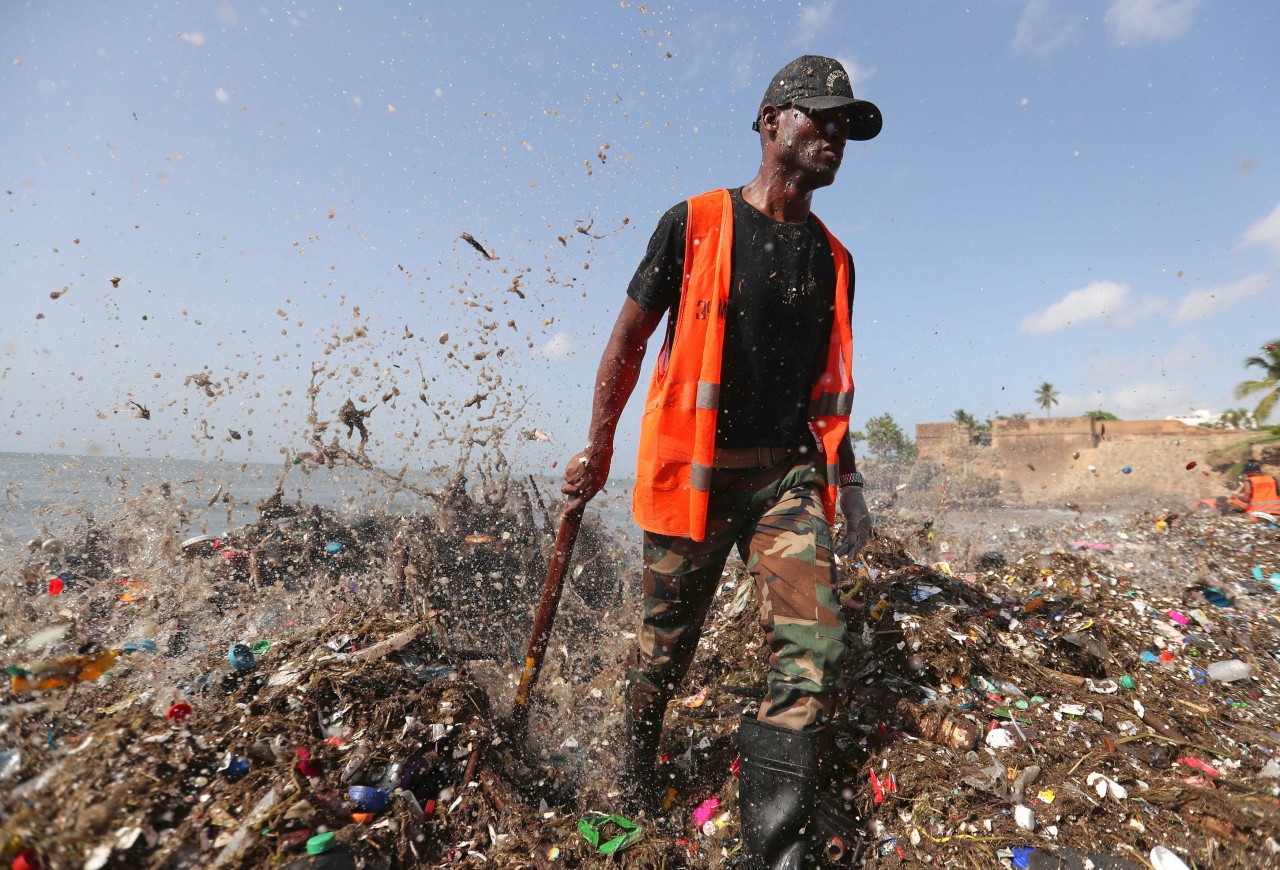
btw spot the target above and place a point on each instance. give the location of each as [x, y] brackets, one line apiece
[753, 457]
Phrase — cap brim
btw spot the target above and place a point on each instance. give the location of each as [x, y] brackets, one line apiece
[865, 120]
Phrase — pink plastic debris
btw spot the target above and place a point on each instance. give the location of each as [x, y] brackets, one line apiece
[704, 811]
[1201, 766]
[1177, 617]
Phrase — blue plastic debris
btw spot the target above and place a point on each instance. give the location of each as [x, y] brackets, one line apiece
[1215, 597]
[1022, 856]
[234, 767]
[333, 548]
[241, 657]
[371, 800]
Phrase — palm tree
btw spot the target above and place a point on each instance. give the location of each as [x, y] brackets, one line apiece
[1047, 397]
[1235, 418]
[1268, 384]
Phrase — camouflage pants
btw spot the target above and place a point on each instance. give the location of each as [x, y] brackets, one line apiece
[776, 519]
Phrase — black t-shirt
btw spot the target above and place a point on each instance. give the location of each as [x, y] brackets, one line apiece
[781, 303]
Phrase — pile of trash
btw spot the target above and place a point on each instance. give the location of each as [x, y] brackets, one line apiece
[1079, 697]
[299, 686]
[1037, 697]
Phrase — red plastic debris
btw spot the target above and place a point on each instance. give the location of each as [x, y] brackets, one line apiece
[876, 788]
[306, 766]
[294, 840]
[56, 585]
[27, 859]
[1191, 465]
[736, 767]
[179, 712]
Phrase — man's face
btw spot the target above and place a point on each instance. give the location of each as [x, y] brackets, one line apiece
[812, 143]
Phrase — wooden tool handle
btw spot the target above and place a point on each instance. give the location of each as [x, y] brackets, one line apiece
[570, 522]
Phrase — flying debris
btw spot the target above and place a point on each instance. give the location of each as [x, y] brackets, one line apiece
[471, 240]
[353, 418]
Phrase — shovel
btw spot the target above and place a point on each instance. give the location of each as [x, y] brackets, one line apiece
[570, 522]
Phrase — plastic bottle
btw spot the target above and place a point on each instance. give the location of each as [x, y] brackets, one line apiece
[1229, 671]
[63, 672]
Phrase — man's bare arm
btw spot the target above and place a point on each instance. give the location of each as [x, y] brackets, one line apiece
[586, 473]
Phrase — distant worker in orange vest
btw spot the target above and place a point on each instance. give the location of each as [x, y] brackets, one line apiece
[1257, 492]
[744, 443]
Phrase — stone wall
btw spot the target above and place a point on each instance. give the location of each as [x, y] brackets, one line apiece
[1082, 459]
[938, 440]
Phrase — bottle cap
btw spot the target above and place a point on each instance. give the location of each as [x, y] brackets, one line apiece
[371, 800]
[320, 843]
[241, 657]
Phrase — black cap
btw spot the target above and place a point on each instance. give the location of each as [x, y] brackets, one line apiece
[819, 84]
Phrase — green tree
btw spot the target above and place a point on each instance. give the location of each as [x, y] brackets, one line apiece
[1101, 415]
[1047, 397]
[886, 439]
[964, 418]
[1235, 418]
[1268, 384]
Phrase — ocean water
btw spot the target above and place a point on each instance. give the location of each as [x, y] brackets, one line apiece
[47, 494]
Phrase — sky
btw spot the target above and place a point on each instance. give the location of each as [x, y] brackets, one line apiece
[229, 213]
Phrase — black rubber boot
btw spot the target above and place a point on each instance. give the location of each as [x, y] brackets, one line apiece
[777, 786]
[642, 710]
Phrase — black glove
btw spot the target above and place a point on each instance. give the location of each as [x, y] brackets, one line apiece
[857, 522]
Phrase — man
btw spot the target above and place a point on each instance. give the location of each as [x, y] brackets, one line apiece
[744, 443]
[1257, 491]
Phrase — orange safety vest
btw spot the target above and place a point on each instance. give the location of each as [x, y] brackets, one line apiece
[1262, 494]
[678, 431]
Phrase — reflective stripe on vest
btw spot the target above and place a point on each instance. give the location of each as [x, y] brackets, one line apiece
[1262, 494]
[678, 431]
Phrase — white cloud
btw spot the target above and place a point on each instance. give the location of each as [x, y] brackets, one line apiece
[815, 18]
[1265, 232]
[1149, 20]
[1201, 304]
[557, 347]
[1042, 30]
[858, 74]
[1098, 300]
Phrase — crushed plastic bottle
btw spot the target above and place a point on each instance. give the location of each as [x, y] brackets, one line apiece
[1229, 671]
[62, 672]
[10, 761]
